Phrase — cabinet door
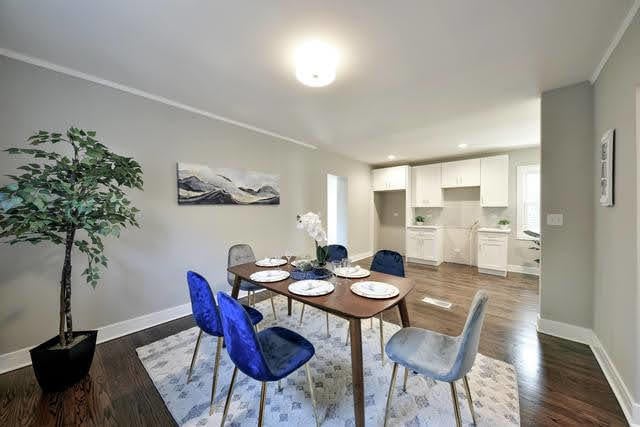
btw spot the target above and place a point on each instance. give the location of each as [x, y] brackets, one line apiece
[427, 190]
[469, 173]
[416, 185]
[429, 247]
[494, 181]
[397, 178]
[450, 174]
[414, 248]
[492, 253]
[378, 179]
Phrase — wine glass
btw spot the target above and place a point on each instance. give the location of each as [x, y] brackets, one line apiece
[288, 254]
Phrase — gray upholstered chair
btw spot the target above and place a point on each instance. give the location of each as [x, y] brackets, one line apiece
[242, 254]
[438, 356]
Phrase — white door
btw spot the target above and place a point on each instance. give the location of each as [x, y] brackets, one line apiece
[494, 181]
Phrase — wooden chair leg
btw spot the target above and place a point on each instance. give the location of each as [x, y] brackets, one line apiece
[389, 396]
[346, 341]
[302, 313]
[468, 390]
[263, 397]
[229, 394]
[215, 373]
[312, 393]
[195, 355]
[273, 306]
[456, 405]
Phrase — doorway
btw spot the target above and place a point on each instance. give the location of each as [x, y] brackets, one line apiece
[337, 210]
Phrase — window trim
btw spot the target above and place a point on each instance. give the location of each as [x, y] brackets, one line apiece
[522, 170]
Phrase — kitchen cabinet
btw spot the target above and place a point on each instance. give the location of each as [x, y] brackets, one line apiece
[492, 251]
[425, 245]
[461, 173]
[426, 186]
[387, 179]
[494, 181]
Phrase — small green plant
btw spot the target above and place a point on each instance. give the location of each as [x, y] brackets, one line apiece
[504, 222]
[419, 218]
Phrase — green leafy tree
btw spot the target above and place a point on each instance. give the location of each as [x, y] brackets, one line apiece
[71, 194]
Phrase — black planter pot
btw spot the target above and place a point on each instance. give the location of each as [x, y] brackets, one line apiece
[57, 369]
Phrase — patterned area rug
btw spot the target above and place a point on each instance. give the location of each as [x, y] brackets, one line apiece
[426, 402]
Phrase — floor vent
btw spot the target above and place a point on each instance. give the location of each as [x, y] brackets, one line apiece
[438, 302]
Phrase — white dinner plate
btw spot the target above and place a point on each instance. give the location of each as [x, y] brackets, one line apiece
[271, 262]
[269, 276]
[377, 290]
[355, 272]
[311, 288]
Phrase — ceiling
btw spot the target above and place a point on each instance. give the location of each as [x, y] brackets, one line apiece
[416, 78]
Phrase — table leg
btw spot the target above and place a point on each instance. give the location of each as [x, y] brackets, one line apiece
[404, 313]
[235, 291]
[289, 306]
[356, 371]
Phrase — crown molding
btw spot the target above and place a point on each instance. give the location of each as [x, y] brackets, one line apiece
[616, 39]
[150, 96]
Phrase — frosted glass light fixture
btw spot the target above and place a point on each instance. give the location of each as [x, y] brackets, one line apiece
[316, 63]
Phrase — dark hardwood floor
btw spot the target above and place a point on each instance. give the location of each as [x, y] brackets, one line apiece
[560, 382]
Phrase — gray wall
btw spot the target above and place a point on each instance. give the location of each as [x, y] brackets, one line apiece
[147, 266]
[390, 212]
[567, 176]
[616, 294]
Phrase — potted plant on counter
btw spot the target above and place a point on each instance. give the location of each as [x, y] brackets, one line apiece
[504, 224]
[72, 195]
[419, 220]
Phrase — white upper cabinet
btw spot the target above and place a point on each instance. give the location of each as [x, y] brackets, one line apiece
[394, 178]
[462, 173]
[426, 185]
[494, 181]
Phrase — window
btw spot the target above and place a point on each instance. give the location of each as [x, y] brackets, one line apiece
[336, 209]
[528, 215]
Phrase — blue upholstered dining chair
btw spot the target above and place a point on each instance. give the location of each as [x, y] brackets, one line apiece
[387, 262]
[336, 253]
[205, 313]
[438, 356]
[242, 254]
[265, 356]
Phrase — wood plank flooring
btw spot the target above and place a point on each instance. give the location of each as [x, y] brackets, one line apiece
[560, 382]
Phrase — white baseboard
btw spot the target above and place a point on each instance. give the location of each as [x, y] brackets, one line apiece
[630, 408]
[21, 358]
[361, 256]
[565, 330]
[524, 269]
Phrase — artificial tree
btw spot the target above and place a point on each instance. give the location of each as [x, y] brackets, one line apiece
[71, 194]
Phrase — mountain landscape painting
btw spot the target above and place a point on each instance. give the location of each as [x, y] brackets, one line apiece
[202, 185]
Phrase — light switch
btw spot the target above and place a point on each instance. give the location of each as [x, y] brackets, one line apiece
[555, 219]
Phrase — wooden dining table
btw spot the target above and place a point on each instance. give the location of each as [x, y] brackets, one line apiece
[342, 302]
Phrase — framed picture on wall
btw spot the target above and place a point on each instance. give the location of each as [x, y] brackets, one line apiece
[607, 164]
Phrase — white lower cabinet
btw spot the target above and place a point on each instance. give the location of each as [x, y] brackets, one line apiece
[492, 251]
[424, 245]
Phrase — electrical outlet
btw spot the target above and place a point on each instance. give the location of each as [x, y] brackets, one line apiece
[555, 219]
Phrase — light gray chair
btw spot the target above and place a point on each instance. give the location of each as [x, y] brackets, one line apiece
[242, 254]
[438, 356]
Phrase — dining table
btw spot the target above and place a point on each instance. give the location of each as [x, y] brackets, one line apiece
[341, 302]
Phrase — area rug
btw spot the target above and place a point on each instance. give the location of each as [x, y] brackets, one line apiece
[425, 403]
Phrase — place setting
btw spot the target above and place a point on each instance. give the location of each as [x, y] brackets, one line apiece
[374, 290]
[271, 262]
[269, 276]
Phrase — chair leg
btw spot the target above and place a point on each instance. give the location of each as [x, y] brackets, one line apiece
[466, 386]
[263, 397]
[381, 340]
[215, 373]
[456, 406]
[312, 393]
[273, 306]
[302, 313]
[346, 341]
[371, 323]
[327, 313]
[389, 396]
[406, 376]
[195, 355]
[229, 394]
[279, 385]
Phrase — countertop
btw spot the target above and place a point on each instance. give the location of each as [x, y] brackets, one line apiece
[494, 230]
[425, 226]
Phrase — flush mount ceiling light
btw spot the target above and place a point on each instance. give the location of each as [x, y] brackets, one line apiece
[391, 157]
[316, 63]
[463, 146]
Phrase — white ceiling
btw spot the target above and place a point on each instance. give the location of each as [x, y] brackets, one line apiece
[417, 78]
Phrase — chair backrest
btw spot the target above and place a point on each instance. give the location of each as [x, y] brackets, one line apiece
[470, 336]
[204, 308]
[337, 253]
[239, 254]
[388, 262]
[241, 340]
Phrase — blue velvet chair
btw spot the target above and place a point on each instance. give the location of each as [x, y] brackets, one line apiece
[336, 253]
[205, 313]
[438, 356]
[242, 254]
[388, 262]
[265, 356]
